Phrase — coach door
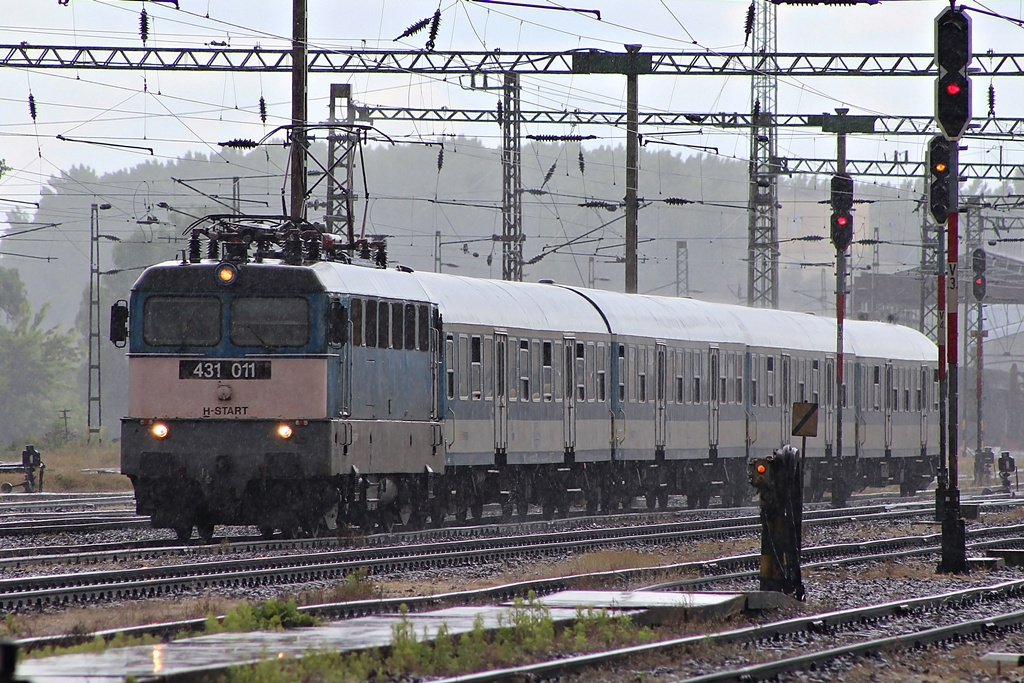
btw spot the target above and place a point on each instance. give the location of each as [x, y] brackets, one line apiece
[830, 400]
[500, 391]
[661, 377]
[890, 402]
[924, 404]
[786, 398]
[569, 405]
[713, 399]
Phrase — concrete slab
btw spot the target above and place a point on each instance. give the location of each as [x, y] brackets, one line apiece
[658, 604]
[194, 655]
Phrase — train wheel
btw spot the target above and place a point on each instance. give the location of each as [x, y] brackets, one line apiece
[183, 532]
[663, 499]
[477, 510]
[205, 530]
[549, 510]
[266, 532]
[651, 499]
[436, 509]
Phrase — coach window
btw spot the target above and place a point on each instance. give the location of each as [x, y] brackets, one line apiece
[801, 380]
[755, 370]
[269, 322]
[524, 370]
[547, 373]
[181, 321]
[463, 366]
[622, 373]
[476, 375]
[535, 380]
[489, 374]
[513, 369]
[410, 327]
[815, 380]
[449, 365]
[907, 381]
[641, 373]
[581, 367]
[371, 323]
[876, 386]
[602, 363]
[356, 316]
[633, 374]
[770, 381]
[697, 367]
[739, 378]
[681, 359]
[557, 363]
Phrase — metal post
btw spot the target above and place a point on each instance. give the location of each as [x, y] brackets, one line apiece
[840, 485]
[632, 173]
[299, 141]
[512, 183]
[94, 420]
[954, 538]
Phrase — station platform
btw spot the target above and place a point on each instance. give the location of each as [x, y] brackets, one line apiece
[191, 658]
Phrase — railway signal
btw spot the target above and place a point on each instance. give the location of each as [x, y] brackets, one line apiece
[938, 178]
[841, 222]
[953, 86]
[978, 265]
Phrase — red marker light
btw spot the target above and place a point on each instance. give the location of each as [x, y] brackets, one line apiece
[953, 89]
[841, 220]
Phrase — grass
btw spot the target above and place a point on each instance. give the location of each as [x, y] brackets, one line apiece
[78, 467]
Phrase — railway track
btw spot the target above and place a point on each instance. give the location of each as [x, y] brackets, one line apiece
[36, 591]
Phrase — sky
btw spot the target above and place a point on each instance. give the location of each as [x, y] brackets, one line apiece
[176, 113]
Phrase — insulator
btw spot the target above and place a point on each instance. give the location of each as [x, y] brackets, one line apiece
[583, 165]
[32, 106]
[440, 158]
[435, 23]
[364, 250]
[195, 250]
[144, 25]
[263, 109]
[991, 101]
[677, 201]
[551, 172]
[415, 28]
[381, 257]
[757, 110]
[748, 26]
[239, 143]
[597, 204]
[313, 249]
[213, 250]
[501, 113]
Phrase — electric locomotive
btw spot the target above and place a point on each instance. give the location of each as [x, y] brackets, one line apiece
[274, 383]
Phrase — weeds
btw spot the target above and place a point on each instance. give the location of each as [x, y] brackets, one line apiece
[525, 633]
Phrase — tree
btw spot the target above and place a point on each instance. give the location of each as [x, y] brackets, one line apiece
[37, 365]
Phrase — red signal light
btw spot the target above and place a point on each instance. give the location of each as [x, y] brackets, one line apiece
[953, 88]
[841, 220]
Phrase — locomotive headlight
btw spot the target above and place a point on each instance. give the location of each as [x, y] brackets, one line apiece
[159, 430]
[284, 431]
[227, 273]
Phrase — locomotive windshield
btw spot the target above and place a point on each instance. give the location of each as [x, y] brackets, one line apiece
[181, 321]
[269, 322]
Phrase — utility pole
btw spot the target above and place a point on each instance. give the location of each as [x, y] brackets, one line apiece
[94, 416]
[763, 229]
[632, 172]
[511, 183]
[682, 268]
[299, 142]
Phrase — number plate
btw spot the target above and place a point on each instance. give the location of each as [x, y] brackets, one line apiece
[224, 369]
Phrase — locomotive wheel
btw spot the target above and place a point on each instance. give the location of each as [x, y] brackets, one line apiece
[477, 510]
[266, 532]
[691, 500]
[183, 532]
[651, 499]
[663, 499]
[549, 510]
[205, 532]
